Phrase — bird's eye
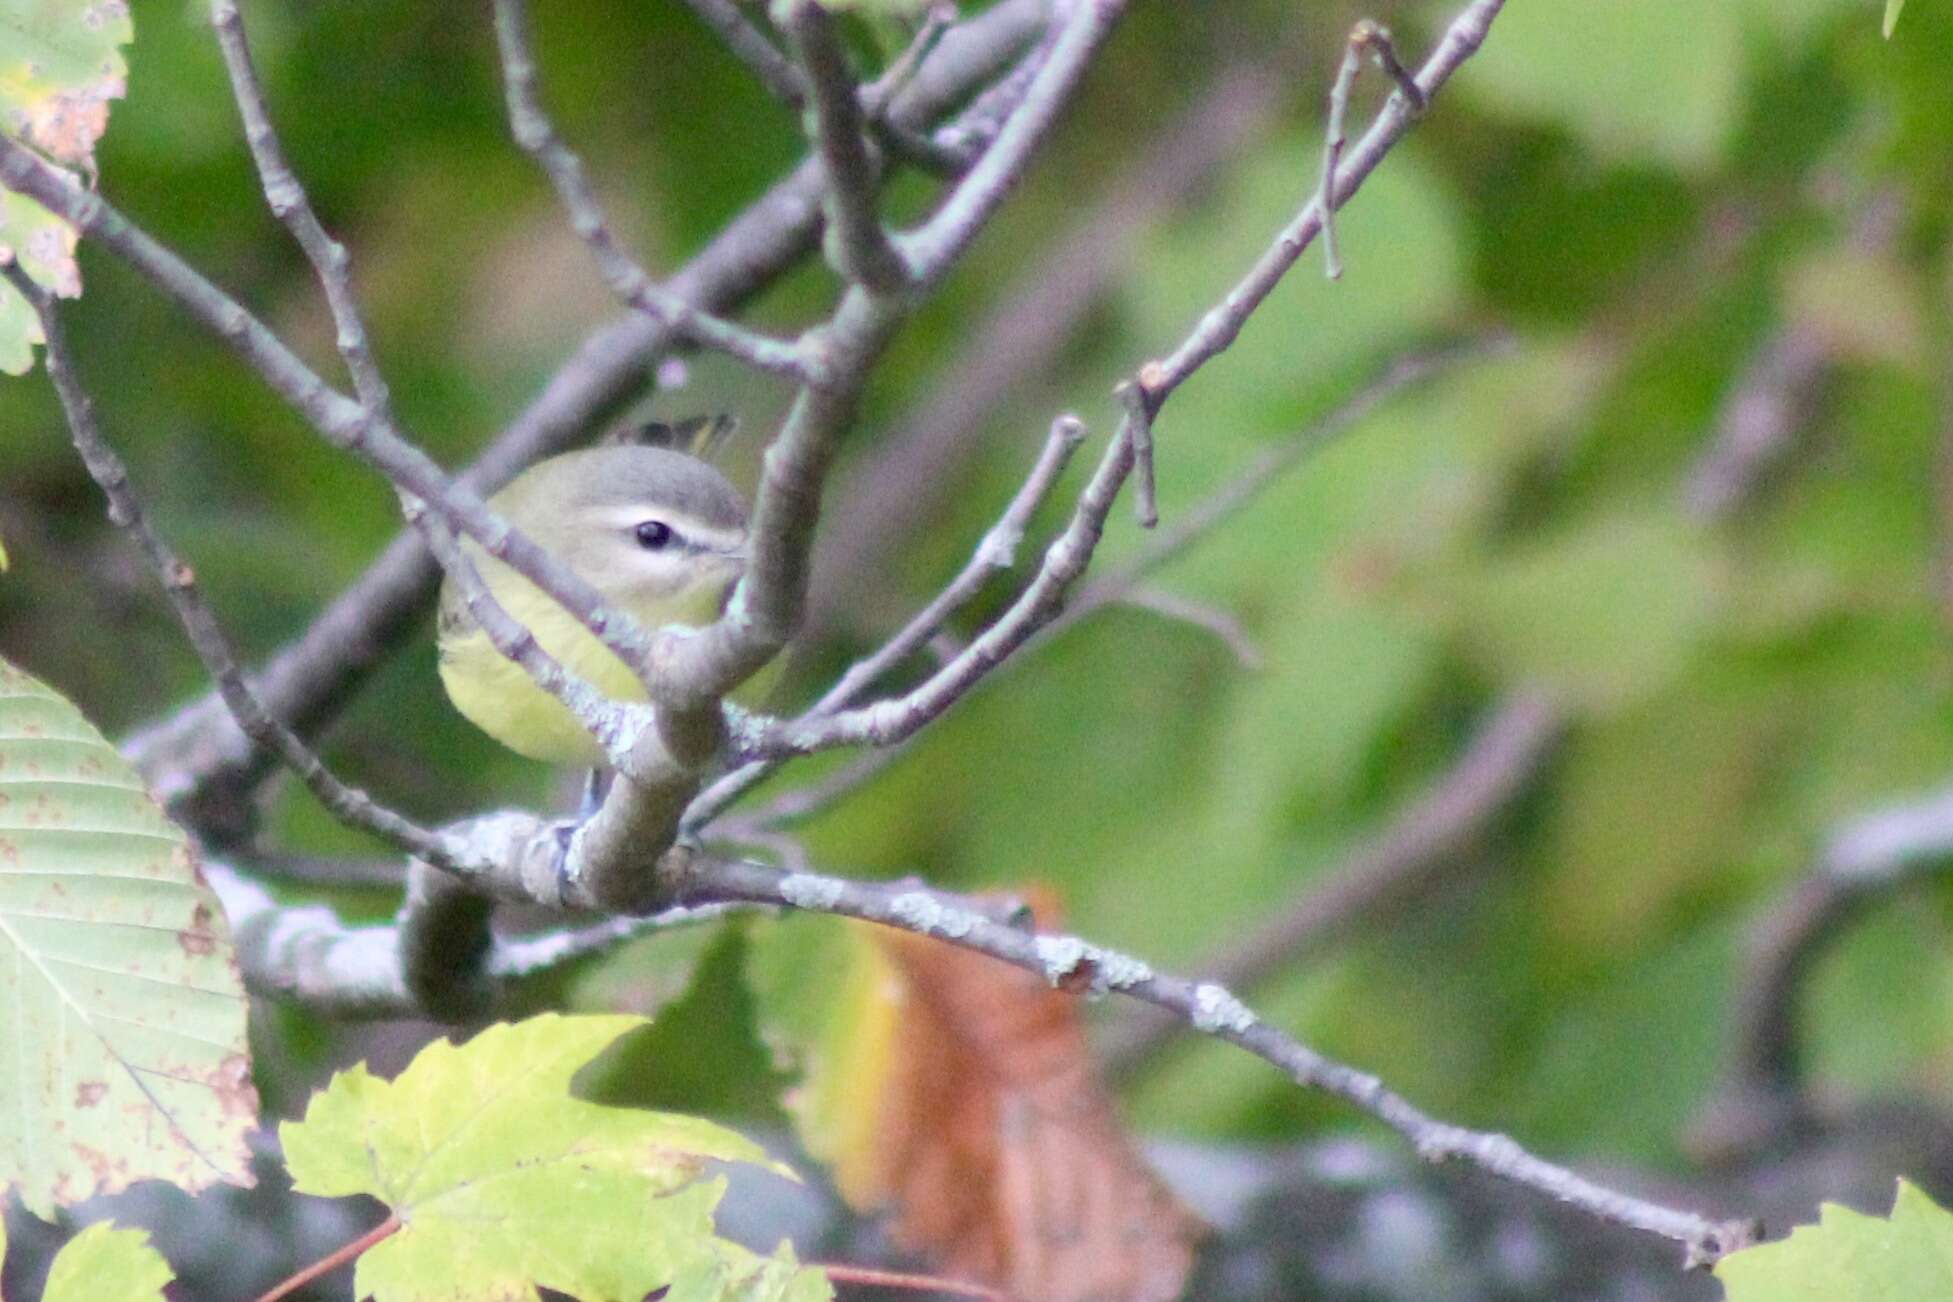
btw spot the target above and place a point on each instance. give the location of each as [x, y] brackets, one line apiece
[654, 535]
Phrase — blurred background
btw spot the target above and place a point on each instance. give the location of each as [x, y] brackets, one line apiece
[1691, 520]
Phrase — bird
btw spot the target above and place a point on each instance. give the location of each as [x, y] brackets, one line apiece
[659, 533]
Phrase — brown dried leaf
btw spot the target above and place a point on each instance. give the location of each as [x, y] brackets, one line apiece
[997, 1147]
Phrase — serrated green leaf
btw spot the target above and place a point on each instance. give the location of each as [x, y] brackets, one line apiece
[126, 1057]
[60, 65]
[503, 1180]
[1850, 1257]
[1892, 8]
[106, 1264]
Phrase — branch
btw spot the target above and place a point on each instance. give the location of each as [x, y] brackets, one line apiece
[769, 67]
[856, 245]
[306, 953]
[891, 721]
[1772, 400]
[917, 462]
[1777, 392]
[1864, 861]
[767, 605]
[996, 552]
[345, 424]
[199, 751]
[1074, 963]
[537, 136]
[1220, 327]
[349, 804]
[288, 202]
[1189, 528]
[1373, 38]
[1215, 621]
[931, 251]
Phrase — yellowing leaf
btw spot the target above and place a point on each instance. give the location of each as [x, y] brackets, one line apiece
[125, 1056]
[60, 65]
[106, 1264]
[504, 1181]
[741, 1276]
[1850, 1257]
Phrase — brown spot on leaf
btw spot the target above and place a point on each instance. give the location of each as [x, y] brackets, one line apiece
[196, 943]
[90, 1092]
[231, 1082]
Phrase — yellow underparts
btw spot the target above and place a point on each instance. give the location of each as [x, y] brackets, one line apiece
[498, 696]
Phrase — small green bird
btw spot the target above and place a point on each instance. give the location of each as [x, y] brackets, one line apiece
[660, 534]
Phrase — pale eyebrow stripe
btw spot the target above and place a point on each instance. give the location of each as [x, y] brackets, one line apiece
[693, 530]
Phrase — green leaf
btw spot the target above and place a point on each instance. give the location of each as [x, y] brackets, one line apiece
[1850, 1257]
[125, 1057]
[1606, 611]
[1661, 77]
[105, 1264]
[60, 65]
[503, 1180]
[1892, 8]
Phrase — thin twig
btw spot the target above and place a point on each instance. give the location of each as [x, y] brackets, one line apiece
[1222, 326]
[933, 249]
[858, 245]
[996, 552]
[895, 78]
[538, 137]
[1138, 406]
[206, 635]
[1168, 543]
[288, 202]
[891, 721]
[888, 722]
[199, 751]
[1375, 39]
[1008, 349]
[1221, 624]
[1868, 859]
[762, 58]
[436, 958]
[1211, 1010]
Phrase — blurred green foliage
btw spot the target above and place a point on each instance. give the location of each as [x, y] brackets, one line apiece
[1645, 192]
